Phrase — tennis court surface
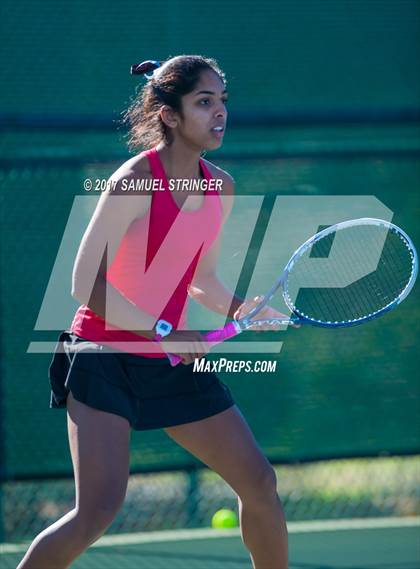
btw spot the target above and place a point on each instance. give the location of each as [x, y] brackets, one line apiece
[383, 543]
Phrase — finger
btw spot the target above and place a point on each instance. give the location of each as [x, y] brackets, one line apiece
[201, 350]
[262, 326]
[184, 360]
[205, 348]
[249, 305]
[252, 304]
[190, 355]
[267, 327]
[200, 355]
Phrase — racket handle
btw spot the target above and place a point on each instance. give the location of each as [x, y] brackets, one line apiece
[215, 337]
[221, 334]
[174, 359]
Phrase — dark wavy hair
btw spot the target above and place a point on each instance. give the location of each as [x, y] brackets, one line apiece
[175, 78]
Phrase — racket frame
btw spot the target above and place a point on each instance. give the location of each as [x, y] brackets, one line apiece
[235, 327]
[302, 318]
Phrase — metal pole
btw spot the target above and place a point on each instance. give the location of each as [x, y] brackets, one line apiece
[193, 494]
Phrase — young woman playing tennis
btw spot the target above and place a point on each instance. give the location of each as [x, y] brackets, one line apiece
[110, 383]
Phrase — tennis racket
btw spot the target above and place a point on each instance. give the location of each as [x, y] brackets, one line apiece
[344, 275]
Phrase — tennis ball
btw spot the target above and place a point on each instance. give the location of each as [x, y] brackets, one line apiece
[224, 519]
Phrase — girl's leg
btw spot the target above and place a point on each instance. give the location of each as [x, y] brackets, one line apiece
[99, 445]
[226, 444]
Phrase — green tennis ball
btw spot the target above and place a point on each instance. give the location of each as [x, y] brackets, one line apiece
[224, 519]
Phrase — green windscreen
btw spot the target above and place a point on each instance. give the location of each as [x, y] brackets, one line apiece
[324, 101]
[283, 58]
[335, 393]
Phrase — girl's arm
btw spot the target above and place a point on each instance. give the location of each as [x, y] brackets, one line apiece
[110, 221]
[206, 288]
[108, 225]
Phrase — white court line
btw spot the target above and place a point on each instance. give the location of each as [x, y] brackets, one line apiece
[209, 533]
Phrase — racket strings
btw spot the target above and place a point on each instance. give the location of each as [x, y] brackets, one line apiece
[369, 269]
[351, 299]
[376, 242]
[384, 284]
[324, 302]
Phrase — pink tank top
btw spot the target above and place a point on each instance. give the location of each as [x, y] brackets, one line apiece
[147, 268]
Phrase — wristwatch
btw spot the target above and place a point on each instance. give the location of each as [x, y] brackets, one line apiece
[162, 329]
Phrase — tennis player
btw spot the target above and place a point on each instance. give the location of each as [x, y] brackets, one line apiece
[108, 381]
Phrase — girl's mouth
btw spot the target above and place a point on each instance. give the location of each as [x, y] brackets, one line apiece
[218, 131]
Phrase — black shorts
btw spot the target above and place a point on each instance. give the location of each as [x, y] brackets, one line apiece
[148, 392]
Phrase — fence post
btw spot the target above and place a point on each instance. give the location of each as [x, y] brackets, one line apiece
[193, 495]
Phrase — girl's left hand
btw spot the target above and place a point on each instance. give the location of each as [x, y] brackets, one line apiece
[265, 313]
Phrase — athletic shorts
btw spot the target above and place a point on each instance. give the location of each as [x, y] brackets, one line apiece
[148, 392]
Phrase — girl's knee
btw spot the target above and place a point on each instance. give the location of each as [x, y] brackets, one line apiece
[93, 522]
[261, 487]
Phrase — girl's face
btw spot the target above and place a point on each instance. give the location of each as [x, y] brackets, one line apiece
[203, 121]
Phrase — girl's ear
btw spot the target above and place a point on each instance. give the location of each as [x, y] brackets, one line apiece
[168, 116]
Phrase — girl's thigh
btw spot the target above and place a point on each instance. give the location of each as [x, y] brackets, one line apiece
[99, 446]
[226, 444]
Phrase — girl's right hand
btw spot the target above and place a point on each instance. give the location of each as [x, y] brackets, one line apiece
[187, 344]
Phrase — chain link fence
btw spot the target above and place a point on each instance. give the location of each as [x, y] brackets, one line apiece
[323, 490]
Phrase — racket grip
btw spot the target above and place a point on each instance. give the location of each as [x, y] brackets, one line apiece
[215, 337]
[229, 331]
[174, 359]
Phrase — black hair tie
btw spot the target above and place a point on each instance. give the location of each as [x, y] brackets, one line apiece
[145, 68]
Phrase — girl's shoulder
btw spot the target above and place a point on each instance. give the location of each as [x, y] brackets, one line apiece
[228, 187]
[135, 168]
[228, 183]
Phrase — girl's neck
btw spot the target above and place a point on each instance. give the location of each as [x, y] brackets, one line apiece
[179, 161]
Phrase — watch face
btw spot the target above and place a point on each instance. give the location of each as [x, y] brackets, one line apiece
[163, 328]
